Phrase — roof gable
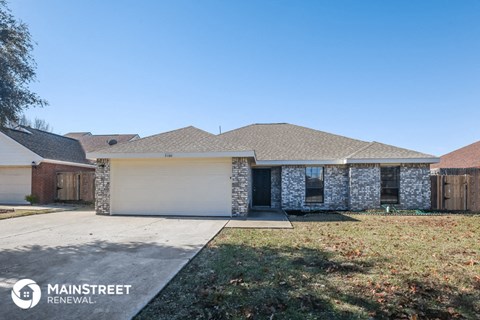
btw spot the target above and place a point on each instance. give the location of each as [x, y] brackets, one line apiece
[15, 154]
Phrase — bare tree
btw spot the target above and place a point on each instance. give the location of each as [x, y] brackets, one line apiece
[39, 124]
[22, 121]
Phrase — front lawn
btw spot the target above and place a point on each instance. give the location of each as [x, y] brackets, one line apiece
[338, 267]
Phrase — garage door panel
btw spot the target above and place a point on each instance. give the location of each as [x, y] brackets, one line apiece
[15, 184]
[171, 187]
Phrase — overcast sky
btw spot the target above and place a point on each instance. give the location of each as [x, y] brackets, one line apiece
[405, 73]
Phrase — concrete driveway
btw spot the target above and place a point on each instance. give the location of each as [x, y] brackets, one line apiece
[138, 255]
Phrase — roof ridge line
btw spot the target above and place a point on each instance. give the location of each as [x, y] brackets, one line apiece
[361, 149]
[190, 126]
[236, 129]
[115, 134]
[47, 132]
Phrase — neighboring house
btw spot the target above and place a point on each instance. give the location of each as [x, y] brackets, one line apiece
[192, 172]
[30, 160]
[91, 142]
[466, 157]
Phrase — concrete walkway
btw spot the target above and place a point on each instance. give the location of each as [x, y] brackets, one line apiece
[81, 248]
[262, 219]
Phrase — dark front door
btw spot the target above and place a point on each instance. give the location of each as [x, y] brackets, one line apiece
[261, 187]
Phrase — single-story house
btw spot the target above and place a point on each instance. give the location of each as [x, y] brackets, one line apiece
[30, 160]
[192, 172]
[91, 142]
[463, 158]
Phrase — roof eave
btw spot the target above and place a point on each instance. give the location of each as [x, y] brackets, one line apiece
[393, 160]
[297, 162]
[150, 155]
[68, 163]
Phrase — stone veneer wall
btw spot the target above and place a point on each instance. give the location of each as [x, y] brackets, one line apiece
[276, 198]
[415, 188]
[293, 187]
[335, 189]
[102, 187]
[365, 185]
[241, 186]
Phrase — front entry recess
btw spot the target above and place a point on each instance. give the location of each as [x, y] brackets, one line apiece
[261, 187]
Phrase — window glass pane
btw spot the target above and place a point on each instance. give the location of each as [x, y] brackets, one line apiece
[314, 184]
[314, 195]
[390, 184]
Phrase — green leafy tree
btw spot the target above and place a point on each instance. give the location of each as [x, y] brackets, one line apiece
[17, 68]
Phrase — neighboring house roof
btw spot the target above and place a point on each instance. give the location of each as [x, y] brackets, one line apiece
[270, 144]
[466, 157]
[91, 142]
[184, 140]
[77, 135]
[48, 145]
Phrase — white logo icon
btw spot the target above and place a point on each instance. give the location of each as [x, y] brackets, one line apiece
[26, 293]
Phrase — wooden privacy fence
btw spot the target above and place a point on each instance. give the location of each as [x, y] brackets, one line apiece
[456, 192]
[76, 186]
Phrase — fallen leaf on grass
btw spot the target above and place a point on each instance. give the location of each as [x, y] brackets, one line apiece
[413, 289]
[236, 281]
[470, 262]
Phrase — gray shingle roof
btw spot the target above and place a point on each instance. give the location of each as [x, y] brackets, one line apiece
[283, 141]
[270, 142]
[184, 140]
[375, 150]
[48, 145]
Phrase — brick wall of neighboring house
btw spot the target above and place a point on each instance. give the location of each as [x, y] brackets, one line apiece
[44, 180]
[241, 186]
[102, 187]
[335, 188]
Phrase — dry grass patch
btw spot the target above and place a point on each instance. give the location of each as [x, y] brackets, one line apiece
[23, 213]
[341, 267]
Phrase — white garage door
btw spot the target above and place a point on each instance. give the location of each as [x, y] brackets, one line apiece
[15, 184]
[190, 187]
